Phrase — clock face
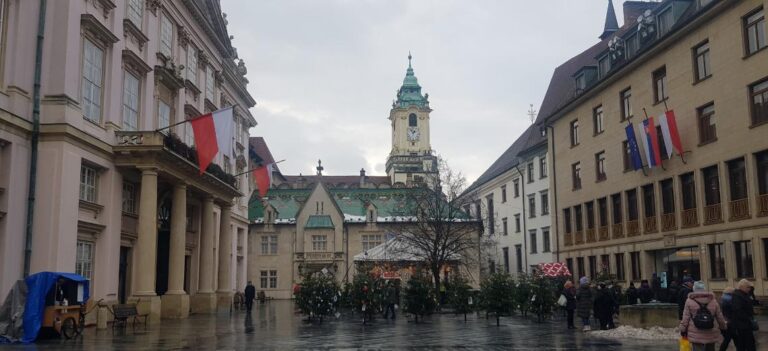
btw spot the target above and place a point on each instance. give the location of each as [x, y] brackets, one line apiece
[413, 134]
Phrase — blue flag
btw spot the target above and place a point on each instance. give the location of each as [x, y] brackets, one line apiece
[634, 150]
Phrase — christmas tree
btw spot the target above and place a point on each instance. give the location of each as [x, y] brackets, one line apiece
[496, 294]
[460, 296]
[419, 296]
[318, 296]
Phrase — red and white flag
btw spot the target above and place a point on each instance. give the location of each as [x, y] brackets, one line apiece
[213, 134]
[671, 135]
[263, 176]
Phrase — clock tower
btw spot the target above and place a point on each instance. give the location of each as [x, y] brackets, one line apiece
[411, 161]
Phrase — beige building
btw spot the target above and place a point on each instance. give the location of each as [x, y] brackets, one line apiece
[115, 200]
[704, 214]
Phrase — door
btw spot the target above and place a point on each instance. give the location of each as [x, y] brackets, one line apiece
[122, 275]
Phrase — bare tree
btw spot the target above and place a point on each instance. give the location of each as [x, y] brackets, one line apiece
[442, 232]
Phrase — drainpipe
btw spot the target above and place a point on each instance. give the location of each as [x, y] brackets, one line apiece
[554, 192]
[35, 138]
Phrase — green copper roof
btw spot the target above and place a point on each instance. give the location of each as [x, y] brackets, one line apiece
[410, 93]
[319, 221]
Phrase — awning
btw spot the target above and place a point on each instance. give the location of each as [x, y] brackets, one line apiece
[554, 269]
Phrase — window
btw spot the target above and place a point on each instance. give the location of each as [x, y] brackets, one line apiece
[754, 31]
[319, 243]
[590, 214]
[544, 202]
[626, 156]
[412, 120]
[516, 187]
[93, 61]
[580, 266]
[191, 68]
[578, 218]
[666, 20]
[688, 189]
[592, 266]
[711, 185]
[632, 46]
[567, 219]
[759, 98]
[491, 214]
[575, 132]
[163, 115]
[701, 61]
[531, 206]
[632, 211]
[569, 264]
[626, 103]
[616, 208]
[505, 251]
[84, 259]
[130, 102]
[503, 193]
[620, 275]
[129, 198]
[660, 84]
[504, 226]
[209, 84]
[667, 196]
[530, 172]
[135, 11]
[600, 166]
[166, 36]
[189, 133]
[576, 175]
[744, 259]
[88, 179]
[634, 258]
[761, 159]
[519, 257]
[227, 164]
[269, 244]
[597, 119]
[370, 241]
[649, 201]
[707, 129]
[602, 210]
[533, 245]
[268, 279]
[543, 166]
[716, 261]
[737, 176]
[517, 223]
[604, 65]
[605, 263]
[581, 82]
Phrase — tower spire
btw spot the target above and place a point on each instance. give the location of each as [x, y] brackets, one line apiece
[409, 59]
[611, 23]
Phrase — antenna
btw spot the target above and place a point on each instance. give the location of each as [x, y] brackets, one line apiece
[532, 114]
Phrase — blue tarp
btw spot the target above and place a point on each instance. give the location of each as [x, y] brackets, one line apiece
[39, 285]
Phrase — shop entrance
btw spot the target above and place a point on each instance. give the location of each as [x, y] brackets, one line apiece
[675, 264]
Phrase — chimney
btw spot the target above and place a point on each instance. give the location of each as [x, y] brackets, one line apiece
[362, 177]
[633, 9]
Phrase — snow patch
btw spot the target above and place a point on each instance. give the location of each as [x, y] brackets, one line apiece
[625, 331]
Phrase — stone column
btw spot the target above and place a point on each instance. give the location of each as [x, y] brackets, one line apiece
[225, 290]
[145, 251]
[205, 299]
[176, 301]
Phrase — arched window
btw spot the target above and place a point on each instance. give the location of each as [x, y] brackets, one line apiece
[412, 120]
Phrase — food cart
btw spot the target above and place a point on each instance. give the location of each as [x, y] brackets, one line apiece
[55, 305]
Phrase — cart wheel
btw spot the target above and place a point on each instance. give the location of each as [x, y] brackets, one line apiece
[69, 328]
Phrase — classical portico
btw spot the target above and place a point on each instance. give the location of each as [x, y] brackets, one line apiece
[170, 237]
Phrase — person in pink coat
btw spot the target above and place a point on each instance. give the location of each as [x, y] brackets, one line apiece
[702, 339]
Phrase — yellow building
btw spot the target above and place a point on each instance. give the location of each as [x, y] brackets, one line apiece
[704, 214]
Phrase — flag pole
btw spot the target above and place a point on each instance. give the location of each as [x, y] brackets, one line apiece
[192, 119]
[253, 169]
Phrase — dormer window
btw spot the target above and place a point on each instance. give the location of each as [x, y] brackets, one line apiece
[632, 46]
[581, 82]
[412, 120]
[604, 65]
[666, 21]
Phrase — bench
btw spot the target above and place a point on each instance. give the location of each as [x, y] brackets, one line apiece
[122, 312]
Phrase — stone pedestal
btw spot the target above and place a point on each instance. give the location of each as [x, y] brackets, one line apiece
[203, 303]
[224, 301]
[650, 315]
[175, 305]
[148, 305]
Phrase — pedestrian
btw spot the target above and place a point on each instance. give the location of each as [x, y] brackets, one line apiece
[604, 307]
[584, 302]
[702, 320]
[250, 294]
[391, 299]
[682, 295]
[632, 295]
[569, 292]
[743, 317]
[726, 304]
[645, 293]
[656, 287]
[673, 291]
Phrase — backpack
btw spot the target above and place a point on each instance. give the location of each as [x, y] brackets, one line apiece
[703, 319]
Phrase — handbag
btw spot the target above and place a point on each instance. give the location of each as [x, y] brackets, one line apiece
[562, 301]
[685, 344]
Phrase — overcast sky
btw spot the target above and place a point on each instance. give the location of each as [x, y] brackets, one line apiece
[324, 72]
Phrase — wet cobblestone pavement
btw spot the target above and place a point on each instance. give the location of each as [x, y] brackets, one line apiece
[275, 326]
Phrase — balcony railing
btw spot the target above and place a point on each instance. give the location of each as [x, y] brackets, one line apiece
[668, 222]
[713, 214]
[762, 208]
[633, 228]
[689, 218]
[617, 230]
[605, 233]
[579, 237]
[568, 239]
[739, 209]
[591, 235]
[650, 225]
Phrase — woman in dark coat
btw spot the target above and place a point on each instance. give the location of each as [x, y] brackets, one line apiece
[743, 313]
[604, 307]
[645, 293]
[570, 302]
[584, 302]
[632, 294]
